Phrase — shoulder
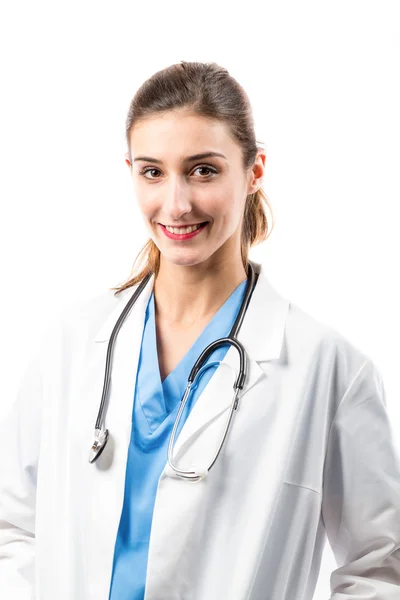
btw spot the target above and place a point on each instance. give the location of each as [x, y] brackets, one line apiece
[311, 347]
[324, 349]
[313, 331]
[80, 319]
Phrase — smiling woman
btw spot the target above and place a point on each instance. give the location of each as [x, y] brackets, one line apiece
[230, 511]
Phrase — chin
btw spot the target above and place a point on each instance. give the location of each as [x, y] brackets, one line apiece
[188, 260]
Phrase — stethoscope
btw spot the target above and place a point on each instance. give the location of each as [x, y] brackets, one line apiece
[101, 434]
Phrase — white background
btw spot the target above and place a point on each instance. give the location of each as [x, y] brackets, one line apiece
[323, 79]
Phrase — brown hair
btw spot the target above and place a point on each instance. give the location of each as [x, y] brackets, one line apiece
[208, 90]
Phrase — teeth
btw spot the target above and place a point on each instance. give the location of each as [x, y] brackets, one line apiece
[182, 230]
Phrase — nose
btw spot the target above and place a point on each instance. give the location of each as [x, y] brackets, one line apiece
[176, 198]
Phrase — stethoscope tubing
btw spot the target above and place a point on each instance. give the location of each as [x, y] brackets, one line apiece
[101, 436]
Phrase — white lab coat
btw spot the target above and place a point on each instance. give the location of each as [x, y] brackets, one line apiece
[309, 454]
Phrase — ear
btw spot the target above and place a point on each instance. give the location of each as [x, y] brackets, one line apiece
[256, 177]
[128, 162]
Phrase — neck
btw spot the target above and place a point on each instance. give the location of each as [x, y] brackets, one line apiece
[185, 295]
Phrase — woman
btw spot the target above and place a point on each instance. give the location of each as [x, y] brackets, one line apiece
[309, 451]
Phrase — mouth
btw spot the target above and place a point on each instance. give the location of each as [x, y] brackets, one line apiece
[184, 225]
[183, 232]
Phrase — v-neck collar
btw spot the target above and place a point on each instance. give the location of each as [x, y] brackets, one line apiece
[159, 399]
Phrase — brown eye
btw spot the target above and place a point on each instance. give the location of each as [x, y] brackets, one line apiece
[144, 171]
[206, 168]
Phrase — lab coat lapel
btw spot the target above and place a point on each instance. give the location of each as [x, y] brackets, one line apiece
[261, 335]
[124, 361]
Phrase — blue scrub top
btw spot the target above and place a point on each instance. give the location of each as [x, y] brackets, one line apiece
[155, 407]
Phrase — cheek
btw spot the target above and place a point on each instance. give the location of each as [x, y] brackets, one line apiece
[231, 210]
[146, 204]
[227, 215]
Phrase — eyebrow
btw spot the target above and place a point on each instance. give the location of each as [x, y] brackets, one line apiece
[186, 160]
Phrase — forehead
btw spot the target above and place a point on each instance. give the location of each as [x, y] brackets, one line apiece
[181, 133]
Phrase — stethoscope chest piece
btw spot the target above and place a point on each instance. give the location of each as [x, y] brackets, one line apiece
[100, 440]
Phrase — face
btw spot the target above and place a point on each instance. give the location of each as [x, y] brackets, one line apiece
[175, 189]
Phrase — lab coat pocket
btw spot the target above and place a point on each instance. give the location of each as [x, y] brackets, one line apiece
[293, 550]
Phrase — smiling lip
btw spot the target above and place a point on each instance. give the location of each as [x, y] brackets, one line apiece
[183, 236]
[185, 225]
